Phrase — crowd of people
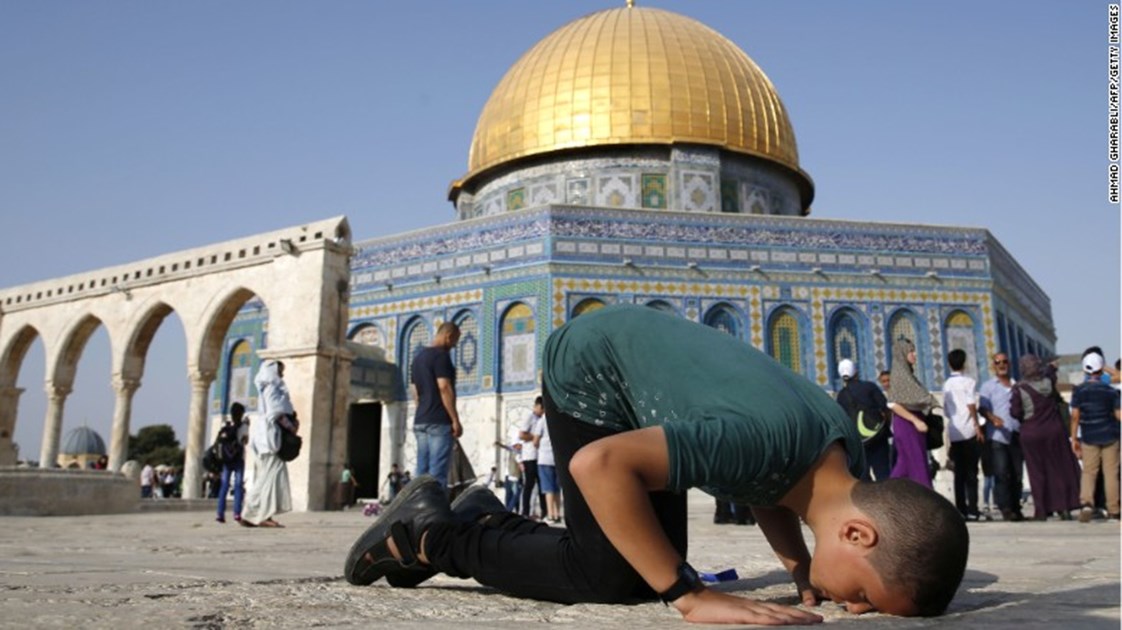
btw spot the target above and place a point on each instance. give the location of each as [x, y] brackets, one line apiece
[1000, 429]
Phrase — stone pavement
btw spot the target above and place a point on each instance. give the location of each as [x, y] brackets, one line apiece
[181, 569]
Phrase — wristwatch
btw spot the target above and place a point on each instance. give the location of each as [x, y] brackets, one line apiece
[688, 582]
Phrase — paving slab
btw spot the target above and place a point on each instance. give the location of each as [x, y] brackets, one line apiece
[161, 569]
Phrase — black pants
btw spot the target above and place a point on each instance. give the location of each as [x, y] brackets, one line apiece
[1008, 473]
[530, 487]
[528, 559]
[965, 454]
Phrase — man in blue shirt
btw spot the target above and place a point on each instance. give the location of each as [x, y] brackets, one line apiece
[1095, 436]
[1004, 435]
[436, 424]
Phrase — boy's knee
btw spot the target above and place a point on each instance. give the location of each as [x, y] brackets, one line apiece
[587, 462]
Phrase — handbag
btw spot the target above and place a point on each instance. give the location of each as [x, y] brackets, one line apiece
[290, 445]
[934, 431]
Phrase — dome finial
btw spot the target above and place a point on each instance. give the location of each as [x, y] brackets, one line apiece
[630, 4]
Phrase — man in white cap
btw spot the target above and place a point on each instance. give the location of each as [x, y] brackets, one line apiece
[1095, 435]
[867, 406]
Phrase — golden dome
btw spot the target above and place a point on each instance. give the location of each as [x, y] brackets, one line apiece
[634, 75]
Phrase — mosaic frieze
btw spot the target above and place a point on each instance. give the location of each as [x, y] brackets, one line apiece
[752, 235]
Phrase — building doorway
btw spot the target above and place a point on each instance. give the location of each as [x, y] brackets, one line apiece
[364, 431]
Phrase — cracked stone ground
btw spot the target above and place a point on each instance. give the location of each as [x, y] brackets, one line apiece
[183, 570]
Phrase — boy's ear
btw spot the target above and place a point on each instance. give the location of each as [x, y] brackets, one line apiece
[860, 533]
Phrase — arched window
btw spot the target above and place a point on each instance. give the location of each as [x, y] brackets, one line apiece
[416, 337]
[845, 342]
[587, 306]
[783, 339]
[239, 373]
[519, 347]
[723, 318]
[368, 335]
[662, 305]
[465, 356]
[903, 326]
[1002, 334]
[959, 335]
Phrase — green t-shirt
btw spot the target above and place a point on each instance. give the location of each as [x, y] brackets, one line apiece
[738, 424]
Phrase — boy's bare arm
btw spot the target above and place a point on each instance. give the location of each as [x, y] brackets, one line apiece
[781, 528]
[615, 474]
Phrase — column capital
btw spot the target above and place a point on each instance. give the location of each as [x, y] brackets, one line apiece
[57, 392]
[126, 385]
[201, 378]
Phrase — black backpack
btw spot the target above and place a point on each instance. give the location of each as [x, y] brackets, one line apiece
[872, 424]
[230, 450]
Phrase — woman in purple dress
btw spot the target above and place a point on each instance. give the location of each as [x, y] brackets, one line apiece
[908, 434]
[1052, 469]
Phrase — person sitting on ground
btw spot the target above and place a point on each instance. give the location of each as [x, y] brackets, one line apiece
[642, 406]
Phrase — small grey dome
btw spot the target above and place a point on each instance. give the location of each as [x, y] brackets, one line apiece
[83, 441]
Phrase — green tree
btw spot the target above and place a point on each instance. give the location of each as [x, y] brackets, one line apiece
[156, 444]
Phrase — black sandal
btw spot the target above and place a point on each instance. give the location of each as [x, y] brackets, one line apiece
[419, 505]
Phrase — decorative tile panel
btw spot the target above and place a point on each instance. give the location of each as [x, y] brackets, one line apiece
[616, 191]
[698, 192]
[654, 191]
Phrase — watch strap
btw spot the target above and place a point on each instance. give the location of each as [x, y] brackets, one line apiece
[688, 581]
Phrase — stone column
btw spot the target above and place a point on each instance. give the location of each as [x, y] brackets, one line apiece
[196, 435]
[56, 400]
[122, 414]
[9, 403]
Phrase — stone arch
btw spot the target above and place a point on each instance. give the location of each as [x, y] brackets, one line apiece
[140, 336]
[11, 358]
[216, 322]
[64, 364]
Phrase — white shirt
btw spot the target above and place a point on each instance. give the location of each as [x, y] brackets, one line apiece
[545, 446]
[959, 392]
[529, 451]
[147, 475]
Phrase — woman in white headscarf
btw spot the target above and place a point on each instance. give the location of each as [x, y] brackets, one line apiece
[271, 493]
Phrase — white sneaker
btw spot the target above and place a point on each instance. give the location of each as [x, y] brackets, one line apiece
[1086, 514]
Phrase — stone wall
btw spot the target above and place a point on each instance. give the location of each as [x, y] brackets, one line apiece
[55, 492]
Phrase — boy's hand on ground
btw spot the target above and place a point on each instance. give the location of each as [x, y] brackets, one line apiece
[709, 606]
[809, 595]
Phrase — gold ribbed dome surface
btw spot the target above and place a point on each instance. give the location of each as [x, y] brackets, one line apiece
[633, 75]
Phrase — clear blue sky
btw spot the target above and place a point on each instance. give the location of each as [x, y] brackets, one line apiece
[130, 129]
